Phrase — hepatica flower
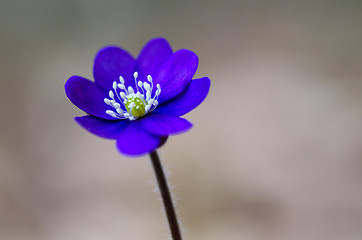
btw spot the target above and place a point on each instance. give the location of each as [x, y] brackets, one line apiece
[138, 102]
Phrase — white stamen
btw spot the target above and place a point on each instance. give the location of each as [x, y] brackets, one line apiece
[116, 105]
[130, 89]
[127, 98]
[113, 114]
[121, 86]
[123, 95]
[147, 108]
[146, 86]
[119, 111]
[131, 105]
[107, 101]
[149, 78]
[148, 95]
[111, 95]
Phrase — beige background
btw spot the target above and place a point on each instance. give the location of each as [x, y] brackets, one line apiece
[276, 151]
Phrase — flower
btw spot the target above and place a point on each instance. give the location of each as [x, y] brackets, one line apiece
[138, 102]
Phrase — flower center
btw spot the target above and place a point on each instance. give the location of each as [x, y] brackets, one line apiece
[129, 104]
[135, 106]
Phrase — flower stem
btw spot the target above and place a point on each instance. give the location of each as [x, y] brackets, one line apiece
[166, 197]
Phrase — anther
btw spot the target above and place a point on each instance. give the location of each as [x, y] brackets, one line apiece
[121, 79]
[130, 89]
[123, 95]
[121, 86]
[147, 108]
[111, 95]
[148, 95]
[110, 112]
[119, 111]
[107, 101]
[146, 86]
[116, 105]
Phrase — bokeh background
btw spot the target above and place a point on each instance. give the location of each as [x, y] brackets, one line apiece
[276, 148]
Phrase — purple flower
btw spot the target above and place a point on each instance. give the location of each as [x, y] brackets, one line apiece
[138, 102]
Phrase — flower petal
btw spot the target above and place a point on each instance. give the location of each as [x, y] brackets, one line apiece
[134, 140]
[102, 128]
[87, 96]
[153, 55]
[195, 93]
[176, 73]
[110, 63]
[163, 125]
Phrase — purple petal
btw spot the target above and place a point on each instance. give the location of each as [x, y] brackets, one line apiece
[102, 128]
[176, 73]
[110, 63]
[195, 93]
[87, 96]
[134, 140]
[153, 55]
[163, 125]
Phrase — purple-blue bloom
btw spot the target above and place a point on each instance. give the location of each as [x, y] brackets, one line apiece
[138, 102]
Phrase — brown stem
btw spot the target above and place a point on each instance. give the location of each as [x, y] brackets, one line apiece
[166, 197]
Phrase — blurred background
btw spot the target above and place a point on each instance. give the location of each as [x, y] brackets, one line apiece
[276, 148]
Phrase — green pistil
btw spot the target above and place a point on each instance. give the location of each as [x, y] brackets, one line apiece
[137, 109]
